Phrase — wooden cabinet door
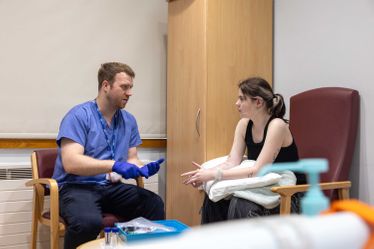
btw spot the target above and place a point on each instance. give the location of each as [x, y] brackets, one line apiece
[212, 44]
[186, 91]
[239, 45]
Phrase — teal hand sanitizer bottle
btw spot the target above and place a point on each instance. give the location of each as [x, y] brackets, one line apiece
[314, 201]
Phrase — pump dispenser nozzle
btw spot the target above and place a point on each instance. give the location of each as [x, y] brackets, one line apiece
[314, 200]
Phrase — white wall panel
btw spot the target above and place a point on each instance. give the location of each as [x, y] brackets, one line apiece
[51, 51]
[330, 43]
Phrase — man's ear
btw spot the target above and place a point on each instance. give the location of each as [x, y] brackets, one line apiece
[105, 85]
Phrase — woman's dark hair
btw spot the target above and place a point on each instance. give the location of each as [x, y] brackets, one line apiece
[258, 87]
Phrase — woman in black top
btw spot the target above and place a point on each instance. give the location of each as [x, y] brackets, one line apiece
[267, 137]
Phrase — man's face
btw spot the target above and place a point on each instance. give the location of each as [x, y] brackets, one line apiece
[121, 90]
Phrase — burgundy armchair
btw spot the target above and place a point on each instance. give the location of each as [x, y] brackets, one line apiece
[324, 123]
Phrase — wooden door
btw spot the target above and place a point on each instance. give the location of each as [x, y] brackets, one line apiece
[212, 44]
[239, 45]
[186, 90]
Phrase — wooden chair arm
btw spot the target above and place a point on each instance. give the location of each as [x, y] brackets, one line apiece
[44, 181]
[140, 181]
[39, 198]
[52, 183]
[291, 190]
[286, 192]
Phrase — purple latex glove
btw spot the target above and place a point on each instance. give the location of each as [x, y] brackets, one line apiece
[126, 170]
[151, 168]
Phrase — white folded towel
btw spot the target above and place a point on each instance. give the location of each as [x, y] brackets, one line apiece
[256, 189]
[263, 195]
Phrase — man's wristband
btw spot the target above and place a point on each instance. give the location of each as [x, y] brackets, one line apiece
[218, 174]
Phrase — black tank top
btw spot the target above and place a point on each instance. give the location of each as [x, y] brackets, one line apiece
[286, 154]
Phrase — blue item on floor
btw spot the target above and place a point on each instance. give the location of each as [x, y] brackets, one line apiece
[127, 233]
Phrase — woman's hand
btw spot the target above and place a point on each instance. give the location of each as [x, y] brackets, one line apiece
[197, 177]
[253, 171]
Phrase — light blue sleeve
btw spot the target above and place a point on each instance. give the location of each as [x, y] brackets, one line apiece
[74, 126]
[134, 136]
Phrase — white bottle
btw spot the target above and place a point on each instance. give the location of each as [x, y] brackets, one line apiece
[107, 238]
[114, 237]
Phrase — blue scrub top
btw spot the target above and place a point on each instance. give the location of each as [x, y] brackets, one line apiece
[82, 125]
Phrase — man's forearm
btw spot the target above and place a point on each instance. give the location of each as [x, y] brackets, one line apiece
[87, 166]
[135, 161]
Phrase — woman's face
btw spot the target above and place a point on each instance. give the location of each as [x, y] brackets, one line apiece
[246, 105]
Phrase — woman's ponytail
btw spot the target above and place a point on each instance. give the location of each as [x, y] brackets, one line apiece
[256, 86]
[278, 108]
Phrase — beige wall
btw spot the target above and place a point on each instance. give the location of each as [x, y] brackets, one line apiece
[330, 43]
[51, 51]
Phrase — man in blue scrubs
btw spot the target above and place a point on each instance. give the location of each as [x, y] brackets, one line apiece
[97, 143]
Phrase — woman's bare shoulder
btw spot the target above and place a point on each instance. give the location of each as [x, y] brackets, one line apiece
[278, 124]
[243, 122]
[241, 127]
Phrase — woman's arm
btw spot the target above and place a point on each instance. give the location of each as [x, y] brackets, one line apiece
[196, 177]
[277, 136]
[238, 146]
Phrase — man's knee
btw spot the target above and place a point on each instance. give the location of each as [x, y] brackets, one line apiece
[80, 230]
[156, 207]
[159, 205]
[158, 201]
[85, 224]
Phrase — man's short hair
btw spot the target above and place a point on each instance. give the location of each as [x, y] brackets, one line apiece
[108, 71]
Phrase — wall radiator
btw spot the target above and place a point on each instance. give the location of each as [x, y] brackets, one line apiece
[16, 207]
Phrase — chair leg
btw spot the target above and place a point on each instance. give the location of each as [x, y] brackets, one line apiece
[343, 194]
[54, 228]
[54, 235]
[285, 205]
[34, 224]
[54, 238]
